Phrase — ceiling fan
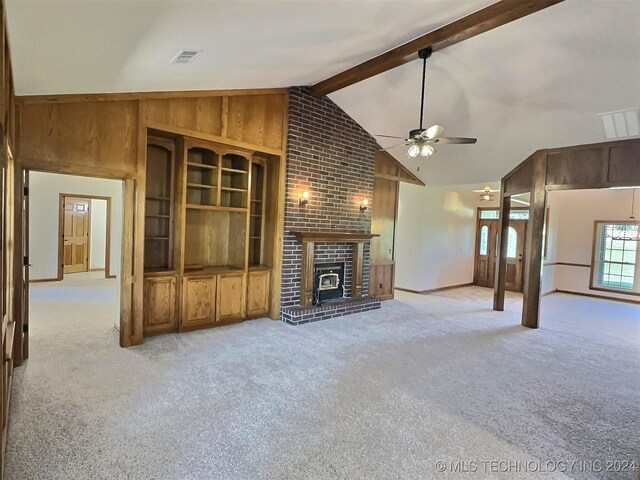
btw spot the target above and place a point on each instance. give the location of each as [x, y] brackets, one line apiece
[421, 140]
[486, 193]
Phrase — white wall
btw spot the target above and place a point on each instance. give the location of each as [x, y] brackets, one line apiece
[44, 190]
[98, 234]
[571, 219]
[435, 237]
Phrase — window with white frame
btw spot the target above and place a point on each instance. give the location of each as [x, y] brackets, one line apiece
[616, 262]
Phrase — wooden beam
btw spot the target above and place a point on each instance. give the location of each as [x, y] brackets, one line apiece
[496, 15]
[534, 243]
[501, 267]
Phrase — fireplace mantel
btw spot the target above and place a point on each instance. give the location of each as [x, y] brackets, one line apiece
[309, 239]
[333, 236]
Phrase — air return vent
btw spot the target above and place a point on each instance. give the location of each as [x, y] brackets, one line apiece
[620, 124]
[186, 56]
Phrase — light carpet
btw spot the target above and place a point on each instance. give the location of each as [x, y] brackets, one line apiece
[379, 395]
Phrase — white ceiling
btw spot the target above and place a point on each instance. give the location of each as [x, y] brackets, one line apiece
[535, 83]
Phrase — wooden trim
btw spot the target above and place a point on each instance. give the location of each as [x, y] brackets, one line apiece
[434, 290]
[413, 178]
[212, 138]
[106, 97]
[601, 297]
[77, 170]
[346, 237]
[501, 249]
[567, 264]
[42, 280]
[550, 292]
[107, 253]
[493, 16]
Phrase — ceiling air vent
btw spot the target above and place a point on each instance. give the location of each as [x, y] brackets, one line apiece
[186, 56]
[621, 123]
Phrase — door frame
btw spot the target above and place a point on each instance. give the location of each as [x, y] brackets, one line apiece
[107, 255]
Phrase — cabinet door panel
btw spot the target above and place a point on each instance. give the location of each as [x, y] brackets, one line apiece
[198, 302]
[160, 305]
[230, 297]
[381, 281]
[258, 293]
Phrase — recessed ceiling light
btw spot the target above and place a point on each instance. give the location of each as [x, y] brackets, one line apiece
[621, 123]
[186, 56]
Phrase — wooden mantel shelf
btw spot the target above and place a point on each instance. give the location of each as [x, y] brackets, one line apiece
[347, 237]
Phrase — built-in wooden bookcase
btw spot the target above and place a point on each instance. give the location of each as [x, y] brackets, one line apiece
[256, 211]
[219, 271]
[159, 204]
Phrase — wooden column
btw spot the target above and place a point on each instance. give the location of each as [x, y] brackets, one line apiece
[501, 265]
[534, 243]
[306, 281]
[356, 273]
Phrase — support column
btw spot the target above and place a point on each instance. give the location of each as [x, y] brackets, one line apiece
[501, 261]
[534, 242]
[356, 275]
[306, 278]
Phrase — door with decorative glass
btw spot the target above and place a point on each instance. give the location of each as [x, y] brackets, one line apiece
[485, 252]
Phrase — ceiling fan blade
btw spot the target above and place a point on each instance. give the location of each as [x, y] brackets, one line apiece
[388, 136]
[394, 146]
[453, 140]
[433, 131]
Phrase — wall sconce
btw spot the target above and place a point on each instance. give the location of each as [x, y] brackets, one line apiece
[364, 204]
[303, 199]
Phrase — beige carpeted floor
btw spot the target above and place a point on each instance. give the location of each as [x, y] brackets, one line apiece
[379, 395]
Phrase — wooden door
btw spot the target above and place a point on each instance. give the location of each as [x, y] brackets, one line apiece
[258, 293]
[383, 222]
[75, 236]
[515, 255]
[230, 297]
[198, 302]
[485, 267]
[160, 305]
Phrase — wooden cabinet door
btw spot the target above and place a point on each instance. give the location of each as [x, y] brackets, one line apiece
[258, 293]
[198, 302]
[160, 305]
[381, 280]
[230, 304]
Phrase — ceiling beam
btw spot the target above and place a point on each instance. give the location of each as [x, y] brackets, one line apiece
[500, 13]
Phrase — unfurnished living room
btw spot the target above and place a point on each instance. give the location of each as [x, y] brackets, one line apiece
[320, 239]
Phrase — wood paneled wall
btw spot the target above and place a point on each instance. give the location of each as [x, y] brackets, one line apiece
[105, 136]
[10, 250]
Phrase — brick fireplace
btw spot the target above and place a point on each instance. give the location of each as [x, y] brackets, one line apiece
[332, 157]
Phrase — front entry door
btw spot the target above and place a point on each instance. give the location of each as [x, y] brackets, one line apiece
[76, 234]
[485, 268]
[515, 254]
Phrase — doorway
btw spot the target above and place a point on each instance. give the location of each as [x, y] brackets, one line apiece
[84, 240]
[486, 248]
[74, 244]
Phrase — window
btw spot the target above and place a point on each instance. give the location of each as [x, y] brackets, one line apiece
[512, 243]
[615, 260]
[484, 240]
[489, 214]
[513, 214]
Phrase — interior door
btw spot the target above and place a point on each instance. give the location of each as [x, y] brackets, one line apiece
[484, 273]
[515, 254]
[76, 234]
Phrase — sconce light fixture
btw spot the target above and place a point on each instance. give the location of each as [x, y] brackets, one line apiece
[303, 199]
[364, 204]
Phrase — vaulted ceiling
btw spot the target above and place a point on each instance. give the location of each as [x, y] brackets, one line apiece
[537, 82]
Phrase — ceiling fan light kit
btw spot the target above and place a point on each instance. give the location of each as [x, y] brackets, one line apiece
[421, 141]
